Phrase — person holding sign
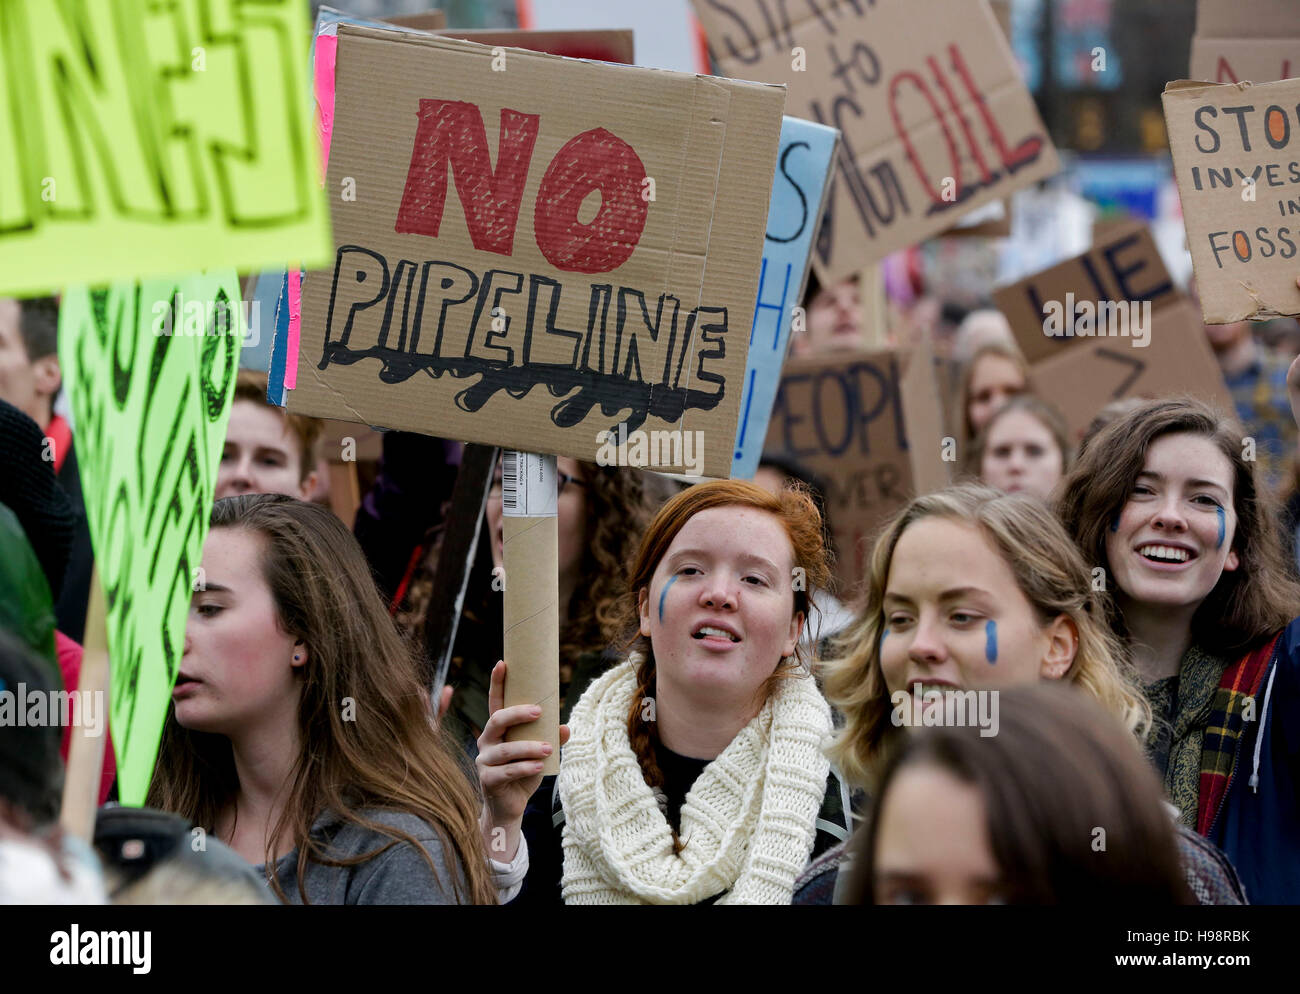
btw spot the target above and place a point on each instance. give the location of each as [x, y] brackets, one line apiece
[1164, 501]
[300, 733]
[703, 745]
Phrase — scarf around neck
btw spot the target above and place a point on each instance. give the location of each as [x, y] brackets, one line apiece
[748, 822]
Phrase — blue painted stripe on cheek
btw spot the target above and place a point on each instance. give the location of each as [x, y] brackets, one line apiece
[1114, 523]
[1223, 525]
[881, 647]
[664, 593]
[991, 641]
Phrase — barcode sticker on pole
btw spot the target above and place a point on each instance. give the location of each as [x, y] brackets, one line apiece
[528, 485]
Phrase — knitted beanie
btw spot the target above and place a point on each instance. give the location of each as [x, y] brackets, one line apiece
[30, 489]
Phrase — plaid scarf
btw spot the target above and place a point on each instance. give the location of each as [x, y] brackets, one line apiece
[1241, 680]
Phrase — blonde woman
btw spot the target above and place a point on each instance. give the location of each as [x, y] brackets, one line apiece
[967, 589]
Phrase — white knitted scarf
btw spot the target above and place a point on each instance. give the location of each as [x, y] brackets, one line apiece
[748, 822]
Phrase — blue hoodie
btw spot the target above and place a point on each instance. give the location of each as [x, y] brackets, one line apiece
[1258, 822]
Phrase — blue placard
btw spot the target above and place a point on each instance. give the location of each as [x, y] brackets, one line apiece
[802, 167]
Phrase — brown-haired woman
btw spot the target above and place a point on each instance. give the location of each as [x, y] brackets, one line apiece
[1166, 502]
[694, 771]
[300, 734]
[1058, 807]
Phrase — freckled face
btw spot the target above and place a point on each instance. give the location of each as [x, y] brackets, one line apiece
[1174, 537]
[719, 610]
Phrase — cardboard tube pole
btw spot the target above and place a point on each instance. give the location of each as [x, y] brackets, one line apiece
[529, 497]
[85, 751]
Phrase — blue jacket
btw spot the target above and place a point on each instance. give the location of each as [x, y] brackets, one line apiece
[1258, 821]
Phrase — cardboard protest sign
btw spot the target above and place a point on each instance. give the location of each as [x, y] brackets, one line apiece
[1236, 161]
[1124, 268]
[140, 142]
[1110, 324]
[1238, 40]
[926, 93]
[631, 308]
[150, 370]
[803, 168]
[867, 423]
[1080, 381]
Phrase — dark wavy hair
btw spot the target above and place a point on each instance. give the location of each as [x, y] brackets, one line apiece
[1248, 605]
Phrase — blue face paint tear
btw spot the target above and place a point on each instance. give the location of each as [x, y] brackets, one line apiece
[991, 641]
[881, 647]
[1223, 525]
[1114, 523]
[664, 593]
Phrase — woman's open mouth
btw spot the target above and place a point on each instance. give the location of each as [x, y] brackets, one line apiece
[1162, 556]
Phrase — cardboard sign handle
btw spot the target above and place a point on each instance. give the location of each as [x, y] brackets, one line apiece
[532, 620]
[86, 751]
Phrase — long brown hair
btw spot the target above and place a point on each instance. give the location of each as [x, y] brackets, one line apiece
[1052, 576]
[796, 511]
[1249, 604]
[1058, 770]
[390, 757]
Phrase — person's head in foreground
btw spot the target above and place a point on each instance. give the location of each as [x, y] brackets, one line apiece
[1023, 448]
[969, 589]
[1164, 500]
[297, 699]
[267, 450]
[996, 373]
[1059, 807]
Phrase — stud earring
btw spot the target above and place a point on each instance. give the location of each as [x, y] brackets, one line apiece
[297, 658]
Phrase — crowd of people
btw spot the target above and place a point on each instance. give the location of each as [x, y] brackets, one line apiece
[1073, 676]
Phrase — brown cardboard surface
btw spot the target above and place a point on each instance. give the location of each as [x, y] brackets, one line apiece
[532, 631]
[604, 46]
[1243, 251]
[1231, 60]
[554, 373]
[1086, 377]
[1124, 265]
[888, 76]
[869, 425]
